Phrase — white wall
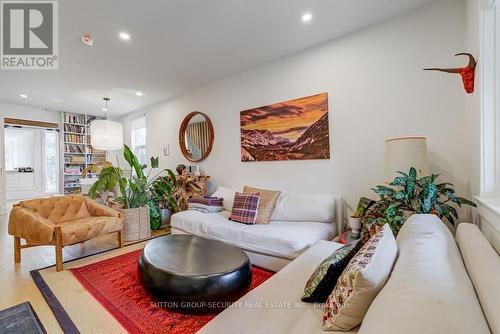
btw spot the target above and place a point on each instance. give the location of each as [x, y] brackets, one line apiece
[29, 113]
[376, 88]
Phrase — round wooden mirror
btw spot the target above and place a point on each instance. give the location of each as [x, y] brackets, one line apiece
[196, 136]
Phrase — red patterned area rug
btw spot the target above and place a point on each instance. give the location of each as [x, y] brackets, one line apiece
[115, 284]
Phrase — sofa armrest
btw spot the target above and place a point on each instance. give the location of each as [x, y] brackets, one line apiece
[26, 224]
[99, 210]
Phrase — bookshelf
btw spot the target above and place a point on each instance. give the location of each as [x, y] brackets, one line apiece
[78, 152]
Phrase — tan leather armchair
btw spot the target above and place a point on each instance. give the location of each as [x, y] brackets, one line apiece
[61, 221]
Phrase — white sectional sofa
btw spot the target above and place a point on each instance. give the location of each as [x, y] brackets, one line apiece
[429, 290]
[298, 222]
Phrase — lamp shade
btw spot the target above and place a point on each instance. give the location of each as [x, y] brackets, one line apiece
[403, 153]
[106, 135]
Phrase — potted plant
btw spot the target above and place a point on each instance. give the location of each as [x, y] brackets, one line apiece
[138, 207]
[162, 190]
[355, 219]
[407, 195]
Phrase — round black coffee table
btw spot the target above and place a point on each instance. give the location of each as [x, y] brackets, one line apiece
[191, 272]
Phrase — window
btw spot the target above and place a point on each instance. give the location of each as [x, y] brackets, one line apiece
[490, 155]
[19, 144]
[138, 139]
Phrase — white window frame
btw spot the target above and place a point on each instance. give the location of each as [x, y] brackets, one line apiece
[44, 152]
[490, 101]
[139, 124]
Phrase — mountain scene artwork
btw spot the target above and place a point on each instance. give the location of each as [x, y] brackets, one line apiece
[291, 130]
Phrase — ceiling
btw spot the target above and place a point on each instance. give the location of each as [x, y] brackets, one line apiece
[177, 46]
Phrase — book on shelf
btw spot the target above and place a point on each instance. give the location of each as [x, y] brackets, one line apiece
[75, 159]
[73, 170]
[69, 148]
[73, 138]
[75, 119]
[74, 128]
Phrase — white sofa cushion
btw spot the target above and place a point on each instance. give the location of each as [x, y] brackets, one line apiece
[305, 207]
[429, 290]
[275, 306]
[281, 239]
[483, 265]
[227, 194]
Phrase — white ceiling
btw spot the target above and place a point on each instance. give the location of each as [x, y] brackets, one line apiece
[177, 45]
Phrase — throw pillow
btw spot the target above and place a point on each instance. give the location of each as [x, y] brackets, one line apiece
[228, 195]
[245, 208]
[323, 280]
[361, 281]
[267, 202]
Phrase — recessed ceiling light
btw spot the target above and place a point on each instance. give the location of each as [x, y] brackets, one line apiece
[138, 93]
[24, 96]
[125, 36]
[306, 17]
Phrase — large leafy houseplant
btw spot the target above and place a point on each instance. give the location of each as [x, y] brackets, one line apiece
[407, 194]
[162, 192]
[163, 189]
[135, 191]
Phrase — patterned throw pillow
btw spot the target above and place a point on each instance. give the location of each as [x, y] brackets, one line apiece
[361, 281]
[245, 208]
[323, 280]
[267, 202]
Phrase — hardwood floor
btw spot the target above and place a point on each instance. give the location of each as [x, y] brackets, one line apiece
[16, 284]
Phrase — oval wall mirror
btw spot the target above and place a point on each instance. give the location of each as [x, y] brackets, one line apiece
[196, 136]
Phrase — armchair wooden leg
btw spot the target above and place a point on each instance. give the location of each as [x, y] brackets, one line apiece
[17, 249]
[120, 238]
[59, 259]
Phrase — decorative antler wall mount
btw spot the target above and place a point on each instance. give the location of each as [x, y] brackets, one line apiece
[467, 73]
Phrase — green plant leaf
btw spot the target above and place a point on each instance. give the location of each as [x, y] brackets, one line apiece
[465, 201]
[398, 181]
[173, 177]
[410, 186]
[404, 174]
[399, 195]
[444, 185]
[450, 209]
[393, 209]
[383, 191]
[155, 162]
[416, 206]
[412, 173]
[154, 216]
[133, 161]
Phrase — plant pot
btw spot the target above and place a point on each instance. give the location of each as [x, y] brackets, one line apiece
[165, 218]
[355, 225]
[136, 223]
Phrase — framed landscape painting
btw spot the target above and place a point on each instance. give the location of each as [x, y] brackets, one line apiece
[291, 130]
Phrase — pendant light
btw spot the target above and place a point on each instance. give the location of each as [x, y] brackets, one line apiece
[104, 134]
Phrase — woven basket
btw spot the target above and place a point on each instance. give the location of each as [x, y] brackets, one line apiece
[136, 223]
